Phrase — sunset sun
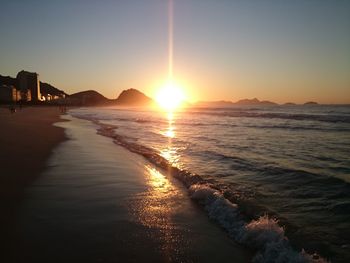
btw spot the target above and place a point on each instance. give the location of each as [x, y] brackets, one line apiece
[170, 96]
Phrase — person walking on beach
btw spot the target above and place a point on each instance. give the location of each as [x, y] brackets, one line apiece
[12, 109]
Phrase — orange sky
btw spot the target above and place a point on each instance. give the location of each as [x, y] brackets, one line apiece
[221, 50]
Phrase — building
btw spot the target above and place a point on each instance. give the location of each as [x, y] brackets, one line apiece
[26, 95]
[9, 93]
[29, 81]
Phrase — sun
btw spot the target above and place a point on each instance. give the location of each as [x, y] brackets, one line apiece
[170, 96]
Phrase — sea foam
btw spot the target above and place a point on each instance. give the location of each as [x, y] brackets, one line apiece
[264, 234]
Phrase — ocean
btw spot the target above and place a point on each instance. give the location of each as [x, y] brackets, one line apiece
[275, 178]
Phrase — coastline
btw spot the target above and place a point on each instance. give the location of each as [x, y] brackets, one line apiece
[111, 205]
[27, 139]
[220, 204]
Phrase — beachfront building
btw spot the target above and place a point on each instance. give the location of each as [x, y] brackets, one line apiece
[9, 93]
[26, 95]
[29, 81]
[51, 97]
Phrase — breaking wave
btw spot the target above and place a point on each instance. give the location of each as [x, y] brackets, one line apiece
[263, 234]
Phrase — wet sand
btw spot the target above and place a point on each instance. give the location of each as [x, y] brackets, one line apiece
[97, 202]
[27, 139]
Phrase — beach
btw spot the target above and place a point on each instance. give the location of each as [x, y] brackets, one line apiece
[111, 185]
[27, 139]
[94, 201]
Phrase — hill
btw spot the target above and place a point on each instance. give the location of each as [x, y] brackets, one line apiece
[88, 98]
[254, 101]
[311, 103]
[243, 102]
[214, 104]
[133, 97]
[46, 89]
[130, 97]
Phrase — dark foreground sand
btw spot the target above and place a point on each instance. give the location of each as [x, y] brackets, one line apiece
[27, 139]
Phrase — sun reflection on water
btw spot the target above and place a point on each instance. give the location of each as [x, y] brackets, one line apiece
[170, 133]
[157, 180]
[169, 151]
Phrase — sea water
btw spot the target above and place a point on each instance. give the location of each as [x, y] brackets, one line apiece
[276, 178]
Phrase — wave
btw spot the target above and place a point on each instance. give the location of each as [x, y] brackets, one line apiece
[299, 128]
[263, 234]
[270, 171]
[277, 115]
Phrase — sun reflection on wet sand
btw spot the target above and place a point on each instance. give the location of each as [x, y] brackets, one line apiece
[158, 181]
[156, 208]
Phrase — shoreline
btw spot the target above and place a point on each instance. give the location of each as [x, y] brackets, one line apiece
[27, 139]
[221, 208]
[111, 205]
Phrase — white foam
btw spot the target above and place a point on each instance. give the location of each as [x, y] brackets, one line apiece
[261, 231]
[264, 235]
[218, 207]
[201, 192]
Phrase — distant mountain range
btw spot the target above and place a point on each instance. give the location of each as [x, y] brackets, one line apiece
[244, 102]
[254, 101]
[222, 103]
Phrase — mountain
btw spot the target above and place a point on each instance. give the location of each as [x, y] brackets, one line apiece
[46, 89]
[88, 98]
[267, 103]
[310, 103]
[225, 103]
[130, 97]
[214, 104]
[133, 97]
[254, 101]
[247, 102]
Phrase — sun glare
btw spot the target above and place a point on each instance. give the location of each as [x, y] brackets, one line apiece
[170, 96]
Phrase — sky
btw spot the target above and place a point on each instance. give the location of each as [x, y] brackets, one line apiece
[283, 51]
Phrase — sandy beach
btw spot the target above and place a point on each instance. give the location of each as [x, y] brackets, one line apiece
[27, 139]
[97, 202]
